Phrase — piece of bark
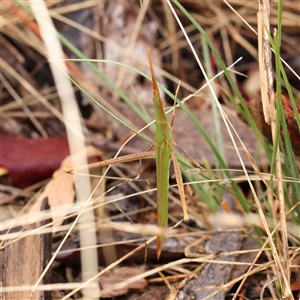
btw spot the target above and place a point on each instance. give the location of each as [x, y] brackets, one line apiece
[215, 275]
[23, 261]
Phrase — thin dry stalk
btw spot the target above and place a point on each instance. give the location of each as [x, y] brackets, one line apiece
[12, 72]
[20, 101]
[76, 142]
[267, 93]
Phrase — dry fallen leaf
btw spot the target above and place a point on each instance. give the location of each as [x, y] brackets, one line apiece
[31, 160]
[60, 190]
[256, 109]
[108, 280]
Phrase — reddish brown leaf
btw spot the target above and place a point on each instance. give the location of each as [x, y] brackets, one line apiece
[255, 107]
[31, 160]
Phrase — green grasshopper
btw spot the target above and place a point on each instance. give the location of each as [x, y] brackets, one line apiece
[164, 151]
